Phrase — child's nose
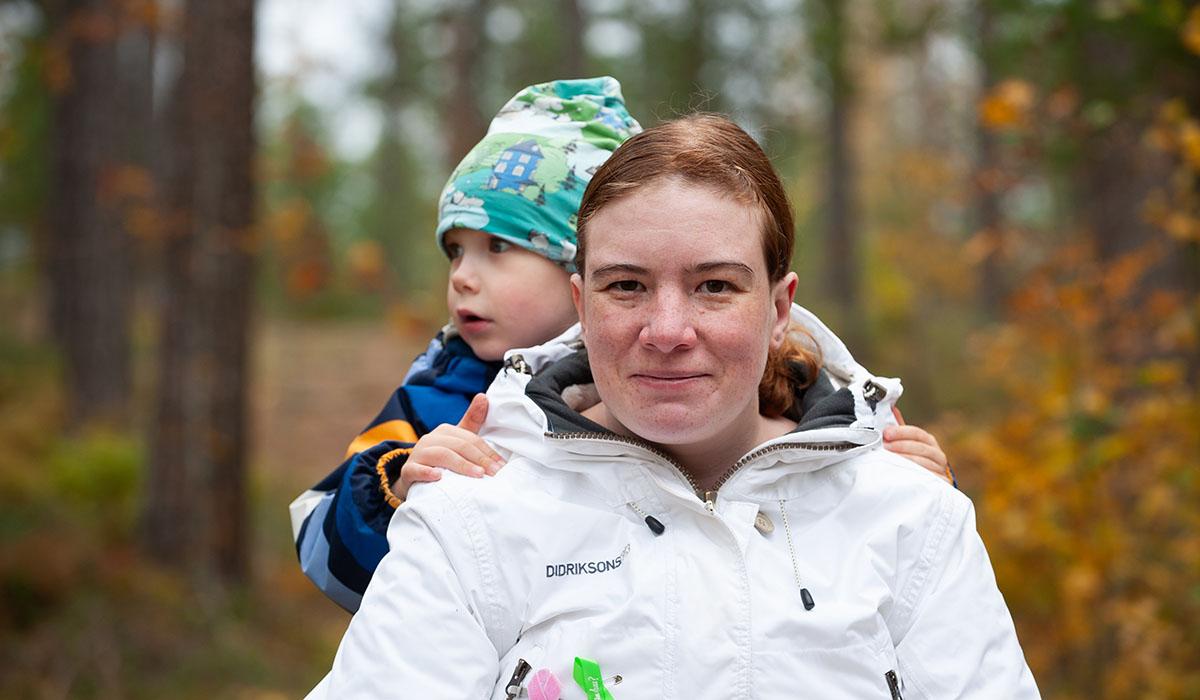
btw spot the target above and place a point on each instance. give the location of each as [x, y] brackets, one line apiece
[465, 277]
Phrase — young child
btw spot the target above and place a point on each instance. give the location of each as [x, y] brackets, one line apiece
[506, 220]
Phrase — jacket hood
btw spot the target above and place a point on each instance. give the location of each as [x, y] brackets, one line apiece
[534, 400]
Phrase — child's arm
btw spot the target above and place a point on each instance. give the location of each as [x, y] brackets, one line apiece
[340, 524]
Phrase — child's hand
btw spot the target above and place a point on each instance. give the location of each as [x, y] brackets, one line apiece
[919, 446]
[453, 447]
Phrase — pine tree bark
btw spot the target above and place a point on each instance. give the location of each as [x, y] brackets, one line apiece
[988, 219]
[196, 510]
[574, 26]
[88, 255]
[841, 224]
[463, 112]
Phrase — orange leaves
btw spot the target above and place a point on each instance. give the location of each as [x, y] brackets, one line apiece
[1084, 473]
[1190, 31]
[1175, 207]
[289, 220]
[366, 265]
[1177, 131]
[1007, 106]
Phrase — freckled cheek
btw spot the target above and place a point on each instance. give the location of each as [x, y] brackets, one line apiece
[609, 325]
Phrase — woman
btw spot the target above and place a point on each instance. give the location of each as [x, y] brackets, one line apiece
[691, 508]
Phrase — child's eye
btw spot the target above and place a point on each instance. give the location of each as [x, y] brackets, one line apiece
[498, 245]
[453, 250]
[715, 286]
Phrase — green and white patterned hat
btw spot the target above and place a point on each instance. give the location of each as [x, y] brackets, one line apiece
[524, 181]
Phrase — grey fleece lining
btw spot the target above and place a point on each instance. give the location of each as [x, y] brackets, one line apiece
[817, 406]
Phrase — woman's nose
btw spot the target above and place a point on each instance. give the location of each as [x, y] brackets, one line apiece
[668, 324]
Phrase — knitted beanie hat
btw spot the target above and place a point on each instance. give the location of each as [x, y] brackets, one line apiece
[524, 181]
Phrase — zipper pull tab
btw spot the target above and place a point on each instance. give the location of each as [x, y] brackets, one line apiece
[513, 688]
[710, 501]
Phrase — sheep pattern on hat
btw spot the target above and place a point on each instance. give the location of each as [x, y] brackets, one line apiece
[524, 181]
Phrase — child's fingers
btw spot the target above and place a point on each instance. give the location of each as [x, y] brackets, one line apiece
[476, 413]
[467, 444]
[413, 473]
[932, 466]
[908, 432]
[912, 448]
[931, 458]
[452, 458]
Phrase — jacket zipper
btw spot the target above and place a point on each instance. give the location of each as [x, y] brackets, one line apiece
[707, 496]
[893, 682]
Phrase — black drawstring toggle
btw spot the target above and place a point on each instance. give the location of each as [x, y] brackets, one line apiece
[655, 526]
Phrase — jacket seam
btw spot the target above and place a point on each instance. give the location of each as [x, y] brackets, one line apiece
[485, 563]
[914, 589]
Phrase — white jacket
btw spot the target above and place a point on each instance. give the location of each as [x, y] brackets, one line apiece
[553, 559]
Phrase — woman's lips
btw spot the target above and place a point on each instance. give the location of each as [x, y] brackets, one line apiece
[668, 380]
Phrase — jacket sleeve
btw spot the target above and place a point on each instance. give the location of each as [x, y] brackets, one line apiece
[959, 640]
[428, 620]
[340, 525]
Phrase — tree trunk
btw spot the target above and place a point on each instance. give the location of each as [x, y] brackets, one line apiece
[196, 509]
[841, 230]
[88, 255]
[463, 113]
[988, 221]
[574, 25]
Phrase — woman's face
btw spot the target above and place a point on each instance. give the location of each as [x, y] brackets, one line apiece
[678, 313]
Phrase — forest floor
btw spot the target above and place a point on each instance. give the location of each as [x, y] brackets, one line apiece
[82, 615]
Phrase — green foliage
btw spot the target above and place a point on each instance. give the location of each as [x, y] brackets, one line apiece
[24, 134]
[83, 615]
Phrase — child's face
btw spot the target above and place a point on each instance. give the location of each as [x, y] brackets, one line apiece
[502, 296]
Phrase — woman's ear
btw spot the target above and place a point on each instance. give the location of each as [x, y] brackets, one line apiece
[782, 294]
[577, 298]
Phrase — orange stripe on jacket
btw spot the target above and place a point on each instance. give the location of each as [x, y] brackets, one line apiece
[391, 430]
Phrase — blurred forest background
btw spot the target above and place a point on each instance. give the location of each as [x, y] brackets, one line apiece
[216, 261]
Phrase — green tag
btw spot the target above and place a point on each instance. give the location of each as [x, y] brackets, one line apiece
[587, 675]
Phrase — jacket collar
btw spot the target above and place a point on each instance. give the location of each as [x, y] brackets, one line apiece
[839, 415]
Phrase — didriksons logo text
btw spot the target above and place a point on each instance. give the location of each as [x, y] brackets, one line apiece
[576, 568]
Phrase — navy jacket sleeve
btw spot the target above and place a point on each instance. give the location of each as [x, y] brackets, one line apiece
[340, 525]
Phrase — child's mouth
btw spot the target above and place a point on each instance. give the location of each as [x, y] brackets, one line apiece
[471, 322]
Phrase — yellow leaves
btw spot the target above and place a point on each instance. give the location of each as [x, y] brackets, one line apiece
[1176, 131]
[1190, 31]
[1163, 372]
[365, 263]
[289, 221]
[1007, 106]
[1189, 142]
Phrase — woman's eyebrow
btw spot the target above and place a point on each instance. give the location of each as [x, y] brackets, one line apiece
[723, 266]
[620, 269]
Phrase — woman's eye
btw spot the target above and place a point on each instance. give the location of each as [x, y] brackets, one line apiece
[626, 285]
[498, 246]
[715, 286]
